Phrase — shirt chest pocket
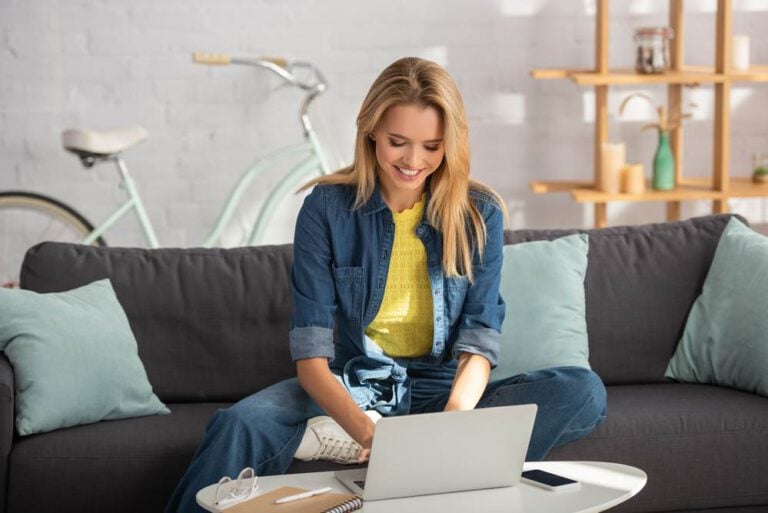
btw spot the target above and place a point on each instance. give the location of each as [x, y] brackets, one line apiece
[455, 294]
[349, 292]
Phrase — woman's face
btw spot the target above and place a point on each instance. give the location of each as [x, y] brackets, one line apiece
[409, 148]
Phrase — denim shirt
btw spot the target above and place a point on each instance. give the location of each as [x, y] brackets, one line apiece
[340, 265]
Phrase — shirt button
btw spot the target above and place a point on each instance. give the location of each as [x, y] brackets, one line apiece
[438, 319]
[437, 292]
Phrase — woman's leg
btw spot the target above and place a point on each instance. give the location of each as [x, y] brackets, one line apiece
[262, 431]
[571, 403]
[429, 386]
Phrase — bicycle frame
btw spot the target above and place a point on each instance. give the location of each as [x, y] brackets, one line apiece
[134, 203]
[314, 163]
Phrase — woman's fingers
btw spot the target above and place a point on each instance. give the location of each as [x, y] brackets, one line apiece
[364, 454]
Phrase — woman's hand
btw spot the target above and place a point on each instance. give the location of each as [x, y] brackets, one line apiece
[317, 380]
[365, 438]
[469, 383]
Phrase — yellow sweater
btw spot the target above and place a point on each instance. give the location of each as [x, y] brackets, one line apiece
[403, 326]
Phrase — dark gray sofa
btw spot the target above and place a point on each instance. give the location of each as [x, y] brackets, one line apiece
[212, 328]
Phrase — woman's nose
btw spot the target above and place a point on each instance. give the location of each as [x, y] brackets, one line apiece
[412, 158]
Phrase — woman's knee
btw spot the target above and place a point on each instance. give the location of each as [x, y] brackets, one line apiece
[283, 403]
[578, 378]
[591, 394]
[583, 389]
[597, 393]
[229, 419]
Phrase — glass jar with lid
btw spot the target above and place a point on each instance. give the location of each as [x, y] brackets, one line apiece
[653, 49]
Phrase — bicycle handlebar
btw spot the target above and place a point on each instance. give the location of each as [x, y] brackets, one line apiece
[281, 67]
[278, 65]
[211, 59]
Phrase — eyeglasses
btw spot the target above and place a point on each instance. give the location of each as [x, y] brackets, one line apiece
[230, 492]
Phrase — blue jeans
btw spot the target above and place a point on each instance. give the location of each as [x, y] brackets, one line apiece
[264, 430]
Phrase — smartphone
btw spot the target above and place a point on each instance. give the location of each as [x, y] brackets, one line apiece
[549, 481]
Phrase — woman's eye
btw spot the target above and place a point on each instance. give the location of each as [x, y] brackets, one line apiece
[432, 148]
[396, 144]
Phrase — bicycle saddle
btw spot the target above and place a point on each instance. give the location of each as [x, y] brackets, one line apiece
[103, 143]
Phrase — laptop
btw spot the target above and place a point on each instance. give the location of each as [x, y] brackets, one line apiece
[433, 453]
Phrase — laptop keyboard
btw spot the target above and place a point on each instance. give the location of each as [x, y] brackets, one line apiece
[361, 484]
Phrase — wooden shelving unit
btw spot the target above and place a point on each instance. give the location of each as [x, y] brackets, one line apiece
[720, 187]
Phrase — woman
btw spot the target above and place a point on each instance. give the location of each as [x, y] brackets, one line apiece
[401, 253]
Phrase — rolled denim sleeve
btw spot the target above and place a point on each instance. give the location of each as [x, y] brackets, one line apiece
[314, 297]
[479, 327]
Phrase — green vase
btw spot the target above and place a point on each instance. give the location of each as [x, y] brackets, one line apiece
[663, 164]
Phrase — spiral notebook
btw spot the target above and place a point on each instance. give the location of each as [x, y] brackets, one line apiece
[325, 503]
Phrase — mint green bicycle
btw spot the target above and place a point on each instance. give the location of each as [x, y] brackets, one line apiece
[27, 218]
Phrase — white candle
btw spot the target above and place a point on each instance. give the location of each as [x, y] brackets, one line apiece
[633, 179]
[740, 54]
[613, 159]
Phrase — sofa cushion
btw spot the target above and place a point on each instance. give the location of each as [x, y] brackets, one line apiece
[74, 358]
[542, 283]
[724, 342]
[142, 458]
[210, 324]
[641, 283]
[701, 445]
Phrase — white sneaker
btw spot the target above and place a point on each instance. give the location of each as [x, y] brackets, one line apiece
[324, 439]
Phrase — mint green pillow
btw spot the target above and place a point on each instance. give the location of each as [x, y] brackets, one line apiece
[542, 284]
[725, 341]
[74, 358]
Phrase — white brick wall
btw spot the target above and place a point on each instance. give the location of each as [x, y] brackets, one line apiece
[105, 63]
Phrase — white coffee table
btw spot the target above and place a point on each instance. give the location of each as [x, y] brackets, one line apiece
[603, 485]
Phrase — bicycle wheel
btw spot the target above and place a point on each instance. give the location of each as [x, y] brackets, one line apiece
[27, 218]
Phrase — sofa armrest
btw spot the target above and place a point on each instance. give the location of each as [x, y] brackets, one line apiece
[7, 421]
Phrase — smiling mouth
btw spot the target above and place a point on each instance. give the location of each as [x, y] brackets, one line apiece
[408, 172]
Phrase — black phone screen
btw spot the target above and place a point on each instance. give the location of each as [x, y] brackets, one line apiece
[547, 478]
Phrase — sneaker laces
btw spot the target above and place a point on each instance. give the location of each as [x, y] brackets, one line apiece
[338, 450]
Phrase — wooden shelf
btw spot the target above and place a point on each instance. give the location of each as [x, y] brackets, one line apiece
[738, 186]
[544, 187]
[746, 188]
[628, 77]
[688, 75]
[719, 187]
[753, 74]
[681, 193]
[690, 189]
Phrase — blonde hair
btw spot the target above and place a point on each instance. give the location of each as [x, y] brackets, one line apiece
[415, 81]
